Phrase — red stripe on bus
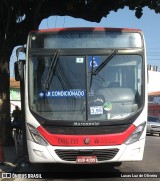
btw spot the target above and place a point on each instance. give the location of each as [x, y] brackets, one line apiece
[86, 140]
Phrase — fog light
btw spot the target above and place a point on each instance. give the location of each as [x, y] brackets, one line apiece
[39, 153]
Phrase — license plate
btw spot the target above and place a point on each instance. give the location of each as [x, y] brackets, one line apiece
[86, 159]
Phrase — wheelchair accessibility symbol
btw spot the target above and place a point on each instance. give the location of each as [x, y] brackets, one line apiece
[93, 61]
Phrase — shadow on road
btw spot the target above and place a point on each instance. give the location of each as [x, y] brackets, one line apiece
[73, 171]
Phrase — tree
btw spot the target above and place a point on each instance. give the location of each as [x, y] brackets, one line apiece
[18, 17]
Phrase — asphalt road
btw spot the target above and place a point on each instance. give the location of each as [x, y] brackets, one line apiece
[143, 170]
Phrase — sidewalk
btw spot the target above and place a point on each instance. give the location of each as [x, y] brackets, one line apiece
[14, 164]
[12, 160]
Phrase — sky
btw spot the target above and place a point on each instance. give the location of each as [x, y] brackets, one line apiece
[149, 23]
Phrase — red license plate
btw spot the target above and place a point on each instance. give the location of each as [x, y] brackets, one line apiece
[86, 159]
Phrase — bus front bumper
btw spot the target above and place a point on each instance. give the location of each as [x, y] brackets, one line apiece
[56, 154]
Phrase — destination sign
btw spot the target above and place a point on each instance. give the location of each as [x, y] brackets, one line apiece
[67, 93]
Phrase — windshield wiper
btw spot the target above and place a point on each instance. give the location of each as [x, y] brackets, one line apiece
[50, 73]
[91, 76]
[100, 67]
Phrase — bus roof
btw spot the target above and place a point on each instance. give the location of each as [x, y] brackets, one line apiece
[88, 28]
[103, 38]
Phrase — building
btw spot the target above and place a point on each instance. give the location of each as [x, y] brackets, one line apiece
[153, 92]
[154, 86]
[15, 98]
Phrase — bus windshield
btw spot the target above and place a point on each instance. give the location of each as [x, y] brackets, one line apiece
[74, 92]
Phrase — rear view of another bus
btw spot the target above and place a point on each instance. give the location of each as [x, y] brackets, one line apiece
[85, 95]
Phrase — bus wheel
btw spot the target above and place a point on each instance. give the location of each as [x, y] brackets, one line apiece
[159, 134]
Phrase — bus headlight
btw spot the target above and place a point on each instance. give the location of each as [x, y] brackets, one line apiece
[37, 138]
[136, 134]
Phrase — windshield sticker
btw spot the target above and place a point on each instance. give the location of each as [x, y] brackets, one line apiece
[107, 106]
[120, 116]
[59, 93]
[79, 60]
[96, 110]
[93, 60]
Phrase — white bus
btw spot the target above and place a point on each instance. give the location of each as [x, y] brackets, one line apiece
[85, 95]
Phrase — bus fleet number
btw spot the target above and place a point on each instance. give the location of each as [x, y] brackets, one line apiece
[65, 141]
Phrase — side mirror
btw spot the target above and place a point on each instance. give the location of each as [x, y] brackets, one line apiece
[19, 65]
[19, 70]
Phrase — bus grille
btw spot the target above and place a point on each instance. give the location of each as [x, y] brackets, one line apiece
[154, 126]
[101, 154]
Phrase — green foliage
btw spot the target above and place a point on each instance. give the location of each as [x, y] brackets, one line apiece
[18, 17]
